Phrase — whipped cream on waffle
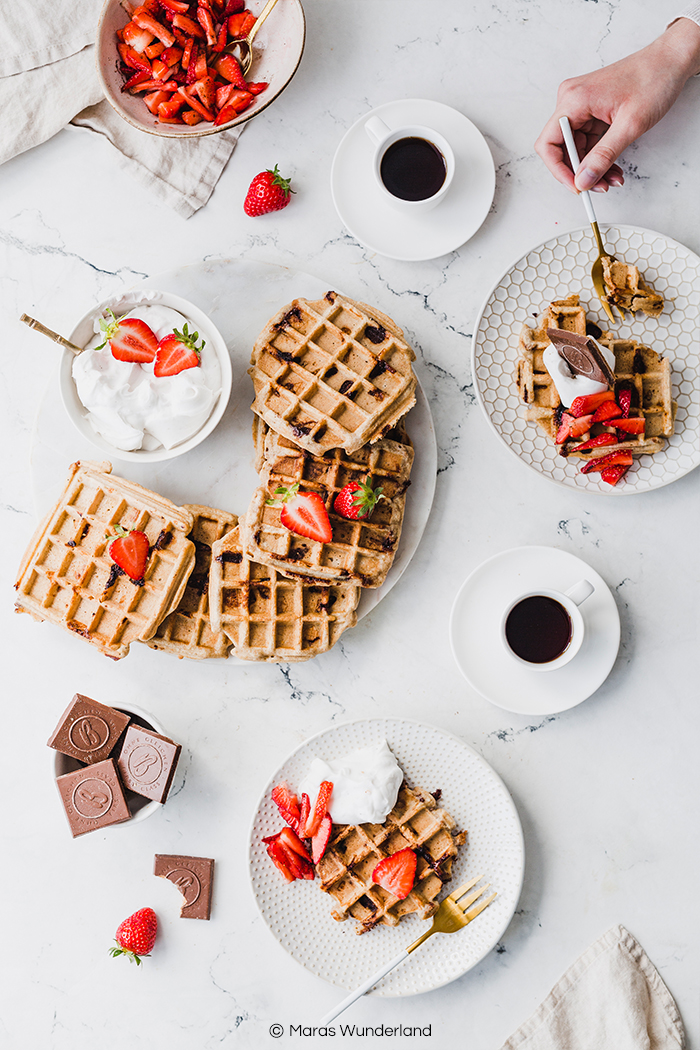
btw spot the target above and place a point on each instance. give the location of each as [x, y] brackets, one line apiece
[570, 384]
[130, 406]
[365, 784]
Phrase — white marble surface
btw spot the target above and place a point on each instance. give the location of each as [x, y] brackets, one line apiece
[607, 792]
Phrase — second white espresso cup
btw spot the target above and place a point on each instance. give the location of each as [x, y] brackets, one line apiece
[384, 137]
[528, 638]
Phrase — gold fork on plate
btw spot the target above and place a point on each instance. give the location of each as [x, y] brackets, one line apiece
[597, 268]
[453, 914]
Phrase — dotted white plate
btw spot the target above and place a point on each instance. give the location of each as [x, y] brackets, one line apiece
[558, 268]
[299, 914]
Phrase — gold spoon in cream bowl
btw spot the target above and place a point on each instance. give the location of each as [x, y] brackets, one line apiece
[245, 47]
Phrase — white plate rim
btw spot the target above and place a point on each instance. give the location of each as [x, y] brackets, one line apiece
[426, 726]
[611, 490]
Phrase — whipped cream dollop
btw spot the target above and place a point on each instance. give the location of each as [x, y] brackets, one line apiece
[134, 409]
[365, 784]
[570, 386]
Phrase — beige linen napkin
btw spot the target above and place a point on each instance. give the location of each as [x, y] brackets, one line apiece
[48, 79]
[612, 998]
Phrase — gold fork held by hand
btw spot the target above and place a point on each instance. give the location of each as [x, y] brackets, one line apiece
[454, 913]
[597, 268]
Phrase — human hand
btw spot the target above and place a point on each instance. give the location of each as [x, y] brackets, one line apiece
[611, 107]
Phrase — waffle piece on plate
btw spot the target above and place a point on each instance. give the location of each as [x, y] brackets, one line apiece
[361, 550]
[68, 578]
[187, 631]
[333, 373]
[627, 289]
[354, 850]
[270, 617]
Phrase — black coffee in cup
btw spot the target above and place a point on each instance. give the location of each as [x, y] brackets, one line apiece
[538, 629]
[413, 169]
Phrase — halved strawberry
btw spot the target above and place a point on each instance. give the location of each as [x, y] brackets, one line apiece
[129, 338]
[130, 550]
[613, 474]
[608, 410]
[178, 351]
[579, 427]
[396, 873]
[320, 839]
[581, 406]
[614, 459]
[288, 805]
[597, 442]
[305, 812]
[288, 858]
[279, 857]
[320, 809]
[633, 425]
[303, 513]
[292, 841]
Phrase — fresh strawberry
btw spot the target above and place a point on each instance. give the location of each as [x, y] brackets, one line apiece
[238, 101]
[357, 499]
[255, 89]
[303, 513]
[234, 7]
[229, 68]
[138, 78]
[583, 405]
[305, 812]
[188, 26]
[190, 117]
[614, 459]
[596, 442]
[613, 474]
[239, 25]
[136, 37]
[633, 425]
[207, 23]
[608, 410]
[292, 841]
[279, 857]
[320, 839]
[136, 936]
[178, 351]
[624, 400]
[288, 858]
[146, 21]
[130, 550]
[288, 805]
[267, 192]
[563, 431]
[129, 339]
[320, 809]
[396, 873]
[579, 427]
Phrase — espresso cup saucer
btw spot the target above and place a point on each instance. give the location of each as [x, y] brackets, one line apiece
[479, 650]
[426, 235]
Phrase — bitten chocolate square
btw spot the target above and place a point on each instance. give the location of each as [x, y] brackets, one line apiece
[87, 730]
[93, 797]
[147, 762]
[194, 877]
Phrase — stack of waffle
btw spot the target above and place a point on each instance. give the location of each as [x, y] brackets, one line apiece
[637, 367]
[627, 290]
[354, 850]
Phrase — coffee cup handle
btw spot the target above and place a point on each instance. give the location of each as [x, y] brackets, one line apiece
[580, 591]
[377, 130]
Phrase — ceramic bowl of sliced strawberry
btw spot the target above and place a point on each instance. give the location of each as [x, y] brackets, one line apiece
[181, 373]
[165, 69]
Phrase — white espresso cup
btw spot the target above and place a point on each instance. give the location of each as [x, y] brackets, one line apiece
[543, 629]
[410, 177]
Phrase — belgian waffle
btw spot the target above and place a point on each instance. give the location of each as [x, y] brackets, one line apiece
[272, 618]
[68, 578]
[354, 850]
[362, 550]
[332, 373]
[187, 631]
[627, 290]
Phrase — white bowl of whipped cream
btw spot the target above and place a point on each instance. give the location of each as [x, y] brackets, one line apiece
[126, 410]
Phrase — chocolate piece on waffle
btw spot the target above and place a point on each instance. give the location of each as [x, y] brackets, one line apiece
[362, 550]
[187, 631]
[68, 578]
[582, 355]
[333, 373]
[627, 289]
[535, 385]
[270, 617]
[354, 850]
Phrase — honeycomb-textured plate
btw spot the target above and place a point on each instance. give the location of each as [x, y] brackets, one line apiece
[556, 269]
[299, 915]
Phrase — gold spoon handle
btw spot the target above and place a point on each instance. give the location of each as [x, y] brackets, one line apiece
[260, 19]
[33, 323]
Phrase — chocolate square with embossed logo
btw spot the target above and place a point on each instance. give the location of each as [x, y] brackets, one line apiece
[87, 730]
[193, 876]
[147, 762]
[93, 797]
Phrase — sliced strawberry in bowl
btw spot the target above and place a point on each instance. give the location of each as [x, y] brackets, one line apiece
[177, 352]
[303, 513]
[396, 873]
[129, 338]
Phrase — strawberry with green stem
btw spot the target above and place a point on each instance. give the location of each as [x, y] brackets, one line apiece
[357, 499]
[130, 339]
[268, 192]
[176, 352]
[303, 513]
[129, 550]
[136, 936]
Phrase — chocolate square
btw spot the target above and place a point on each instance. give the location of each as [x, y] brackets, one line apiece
[582, 354]
[147, 762]
[193, 876]
[93, 797]
[87, 730]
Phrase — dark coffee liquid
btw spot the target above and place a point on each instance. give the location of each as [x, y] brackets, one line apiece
[538, 629]
[413, 169]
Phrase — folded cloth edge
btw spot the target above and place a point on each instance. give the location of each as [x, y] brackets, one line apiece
[615, 936]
